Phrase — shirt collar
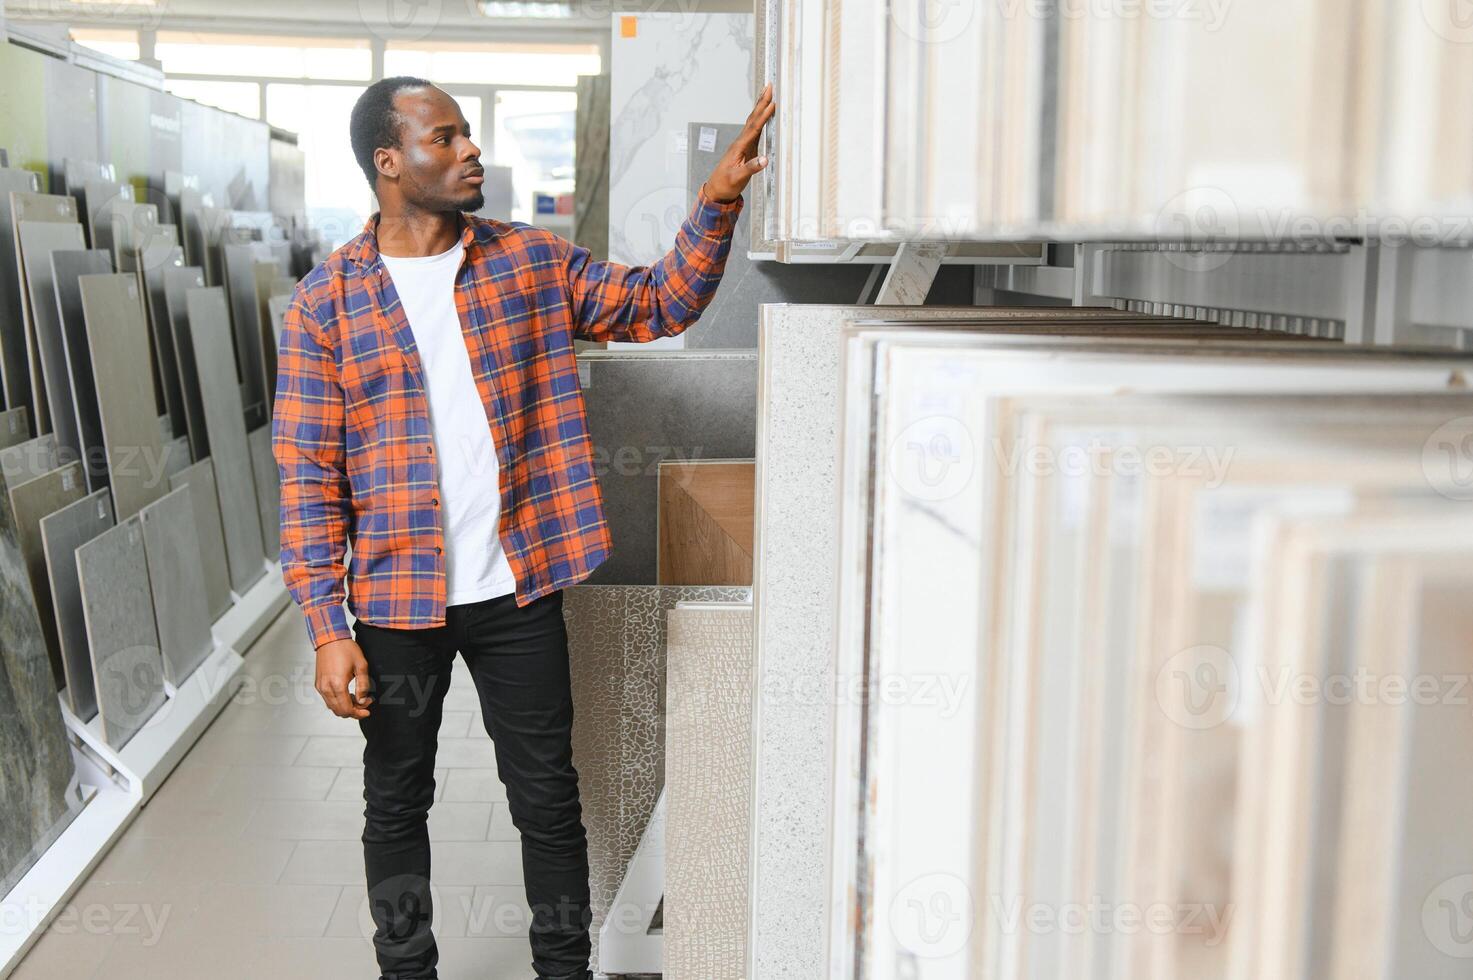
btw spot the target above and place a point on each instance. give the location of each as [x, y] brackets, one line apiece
[363, 250]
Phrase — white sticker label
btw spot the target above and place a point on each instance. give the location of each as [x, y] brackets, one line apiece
[585, 374]
[680, 144]
[14, 424]
[101, 511]
[708, 139]
[66, 480]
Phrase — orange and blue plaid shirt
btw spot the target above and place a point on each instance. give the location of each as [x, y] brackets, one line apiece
[351, 427]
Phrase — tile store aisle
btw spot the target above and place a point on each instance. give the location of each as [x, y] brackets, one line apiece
[248, 862]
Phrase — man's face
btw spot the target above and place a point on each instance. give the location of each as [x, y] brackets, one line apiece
[439, 168]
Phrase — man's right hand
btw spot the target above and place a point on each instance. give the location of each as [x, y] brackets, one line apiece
[338, 663]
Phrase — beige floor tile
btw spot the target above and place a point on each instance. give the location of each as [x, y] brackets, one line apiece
[278, 782]
[453, 905]
[457, 724]
[349, 784]
[74, 954]
[330, 750]
[459, 821]
[244, 749]
[325, 862]
[499, 910]
[466, 753]
[207, 860]
[502, 827]
[477, 863]
[474, 786]
[247, 912]
[320, 959]
[307, 820]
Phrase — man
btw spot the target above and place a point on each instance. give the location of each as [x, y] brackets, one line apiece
[428, 410]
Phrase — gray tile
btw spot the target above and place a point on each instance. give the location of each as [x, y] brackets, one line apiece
[240, 280]
[38, 791]
[176, 455]
[177, 281]
[38, 240]
[62, 533]
[591, 160]
[30, 459]
[616, 642]
[118, 340]
[118, 608]
[30, 501]
[176, 578]
[648, 406]
[199, 478]
[67, 269]
[209, 325]
[268, 489]
[27, 382]
[97, 196]
[160, 254]
[14, 370]
[15, 426]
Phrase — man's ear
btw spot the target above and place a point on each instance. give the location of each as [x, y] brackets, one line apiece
[386, 162]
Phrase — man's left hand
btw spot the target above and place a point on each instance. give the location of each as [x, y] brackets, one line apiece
[740, 161]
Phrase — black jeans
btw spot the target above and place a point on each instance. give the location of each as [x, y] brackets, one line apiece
[518, 658]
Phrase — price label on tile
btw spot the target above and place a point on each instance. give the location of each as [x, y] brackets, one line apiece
[681, 143]
[585, 374]
[708, 139]
[66, 481]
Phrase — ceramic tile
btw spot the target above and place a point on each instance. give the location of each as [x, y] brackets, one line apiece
[67, 269]
[117, 338]
[29, 459]
[38, 240]
[15, 426]
[209, 326]
[616, 642]
[152, 263]
[62, 533]
[245, 315]
[14, 370]
[30, 501]
[647, 407]
[38, 791]
[177, 282]
[708, 784]
[176, 578]
[268, 489]
[591, 159]
[117, 606]
[35, 208]
[204, 500]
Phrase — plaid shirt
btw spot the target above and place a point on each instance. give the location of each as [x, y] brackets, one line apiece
[351, 427]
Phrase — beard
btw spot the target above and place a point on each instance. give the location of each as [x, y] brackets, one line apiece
[474, 202]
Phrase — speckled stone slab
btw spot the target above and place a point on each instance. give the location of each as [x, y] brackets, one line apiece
[117, 605]
[62, 532]
[31, 501]
[268, 489]
[176, 579]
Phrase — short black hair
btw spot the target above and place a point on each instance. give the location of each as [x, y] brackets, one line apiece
[375, 124]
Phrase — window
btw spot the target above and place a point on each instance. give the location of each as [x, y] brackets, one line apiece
[493, 64]
[119, 44]
[242, 98]
[191, 53]
[338, 197]
[534, 136]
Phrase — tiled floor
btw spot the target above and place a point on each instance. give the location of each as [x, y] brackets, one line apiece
[248, 861]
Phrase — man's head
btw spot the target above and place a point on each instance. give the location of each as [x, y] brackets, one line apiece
[415, 147]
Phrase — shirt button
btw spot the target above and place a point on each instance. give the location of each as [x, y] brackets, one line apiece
[430, 450]
[435, 501]
[438, 550]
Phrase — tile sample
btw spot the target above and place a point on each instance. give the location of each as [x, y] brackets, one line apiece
[151, 263]
[176, 578]
[670, 71]
[38, 783]
[648, 407]
[177, 281]
[63, 531]
[591, 162]
[117, 337]
[268, 489]
[199, 478]
[616, 643]
[706, 522]
[14, 371]
[67, 269]
[245, 315]
[15, 426]
[117, 607]
[266, 274]
[209, 326]
[54, 208]
[708, 784]
[30, 501]
[38, 241]
[30, 459]
[731, 318]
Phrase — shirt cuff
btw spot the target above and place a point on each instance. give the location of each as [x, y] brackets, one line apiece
[713, 216]
[326, 623]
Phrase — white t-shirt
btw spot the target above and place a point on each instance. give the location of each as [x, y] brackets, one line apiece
[470, 492]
